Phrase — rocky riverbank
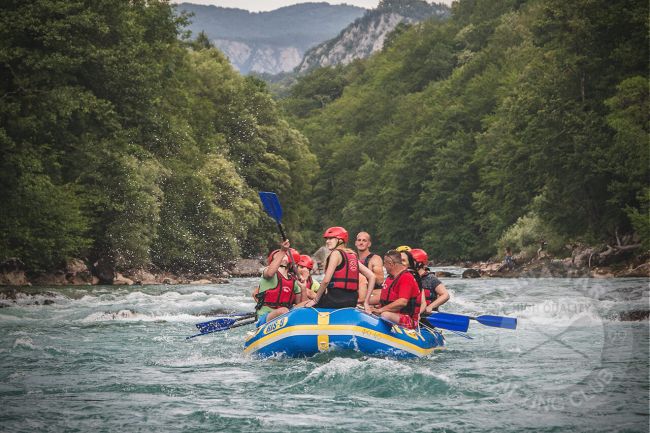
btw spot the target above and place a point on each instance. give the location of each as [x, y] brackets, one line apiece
[78, 272]
[585, 262]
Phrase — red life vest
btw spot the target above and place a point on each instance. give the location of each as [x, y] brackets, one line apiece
[388, 295]
[346, 274]
[281, 295]
[309, 282]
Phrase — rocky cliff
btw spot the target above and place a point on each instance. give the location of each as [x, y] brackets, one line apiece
[367, 34]
[269, 42]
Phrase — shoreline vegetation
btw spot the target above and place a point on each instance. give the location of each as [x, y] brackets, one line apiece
[584, 262]
[130, 148]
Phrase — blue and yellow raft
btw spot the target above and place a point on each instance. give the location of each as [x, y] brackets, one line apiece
[306, 332]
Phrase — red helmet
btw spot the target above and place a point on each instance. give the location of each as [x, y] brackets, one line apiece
[294, 253]
[305, 261]
[336, 232]
[419, 255]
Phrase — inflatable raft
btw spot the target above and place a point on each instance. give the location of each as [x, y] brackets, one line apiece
[306, 332]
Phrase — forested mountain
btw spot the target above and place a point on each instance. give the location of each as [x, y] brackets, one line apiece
[512, 122]
[367, 34]
[269, 42]
[120, 143]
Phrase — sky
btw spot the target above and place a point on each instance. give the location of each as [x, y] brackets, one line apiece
[269, 5]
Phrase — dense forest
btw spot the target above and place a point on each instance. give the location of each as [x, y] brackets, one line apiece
[122, 139]
[124, 142]
[510, 123]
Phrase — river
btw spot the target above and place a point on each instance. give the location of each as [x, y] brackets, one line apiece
[109, 358]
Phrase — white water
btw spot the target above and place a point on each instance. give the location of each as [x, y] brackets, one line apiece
[116, 359]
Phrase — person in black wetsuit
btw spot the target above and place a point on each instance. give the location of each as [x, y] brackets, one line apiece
[434, 292]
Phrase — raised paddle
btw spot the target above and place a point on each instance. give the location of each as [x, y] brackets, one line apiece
[458, 322]
[273, 208]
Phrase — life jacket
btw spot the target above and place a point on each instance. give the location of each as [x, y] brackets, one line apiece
[346, 274]
[281, 295]
[429, 288]
[412, 308]
[309, 282]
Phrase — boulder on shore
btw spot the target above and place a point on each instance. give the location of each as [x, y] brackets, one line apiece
[201, 281]
[247, 268]
[142, 276]
[640, 271]
[12, 273]
[77, 273]
[471, 273]
[121, 280]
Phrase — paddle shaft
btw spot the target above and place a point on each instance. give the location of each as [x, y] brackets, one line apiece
[284, 238]
[235, 325]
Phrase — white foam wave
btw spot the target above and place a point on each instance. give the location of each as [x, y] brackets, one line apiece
[342, 366]
[132, 316]
[561, 311]
[25, 342]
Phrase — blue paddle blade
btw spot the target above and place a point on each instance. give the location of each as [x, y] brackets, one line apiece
[216, 324]
[498, 321]
[452, 322]
[271, 205]
[221, 323]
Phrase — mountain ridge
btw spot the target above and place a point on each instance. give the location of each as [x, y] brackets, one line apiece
[367, 34]
[259, 41]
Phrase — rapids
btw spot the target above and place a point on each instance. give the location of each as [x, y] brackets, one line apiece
[106, 358]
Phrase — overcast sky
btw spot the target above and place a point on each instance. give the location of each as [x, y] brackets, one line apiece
[269, 5]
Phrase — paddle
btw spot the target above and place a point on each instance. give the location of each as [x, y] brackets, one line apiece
[223, 324]
[452, 322]
[273, 208]
[458, 322]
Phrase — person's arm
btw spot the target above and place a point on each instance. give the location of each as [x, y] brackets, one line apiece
[298, 288]
[335, 260]
[393, 307]
[376, 264]
[363, 289]
[370, 276]
[403, 287]
[443, 296]
[273, 267]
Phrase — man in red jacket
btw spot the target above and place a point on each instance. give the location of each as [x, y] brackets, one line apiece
[400, 294]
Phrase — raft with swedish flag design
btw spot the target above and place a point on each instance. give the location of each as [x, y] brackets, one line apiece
[305, 332]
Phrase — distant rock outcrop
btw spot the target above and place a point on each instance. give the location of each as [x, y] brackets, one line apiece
[367, 34]
[269, 42]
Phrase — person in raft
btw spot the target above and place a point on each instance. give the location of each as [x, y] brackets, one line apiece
[279, 289]
[400, 294]
[305, 267]
[433, 291]
[373, 262]
[342, 269]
